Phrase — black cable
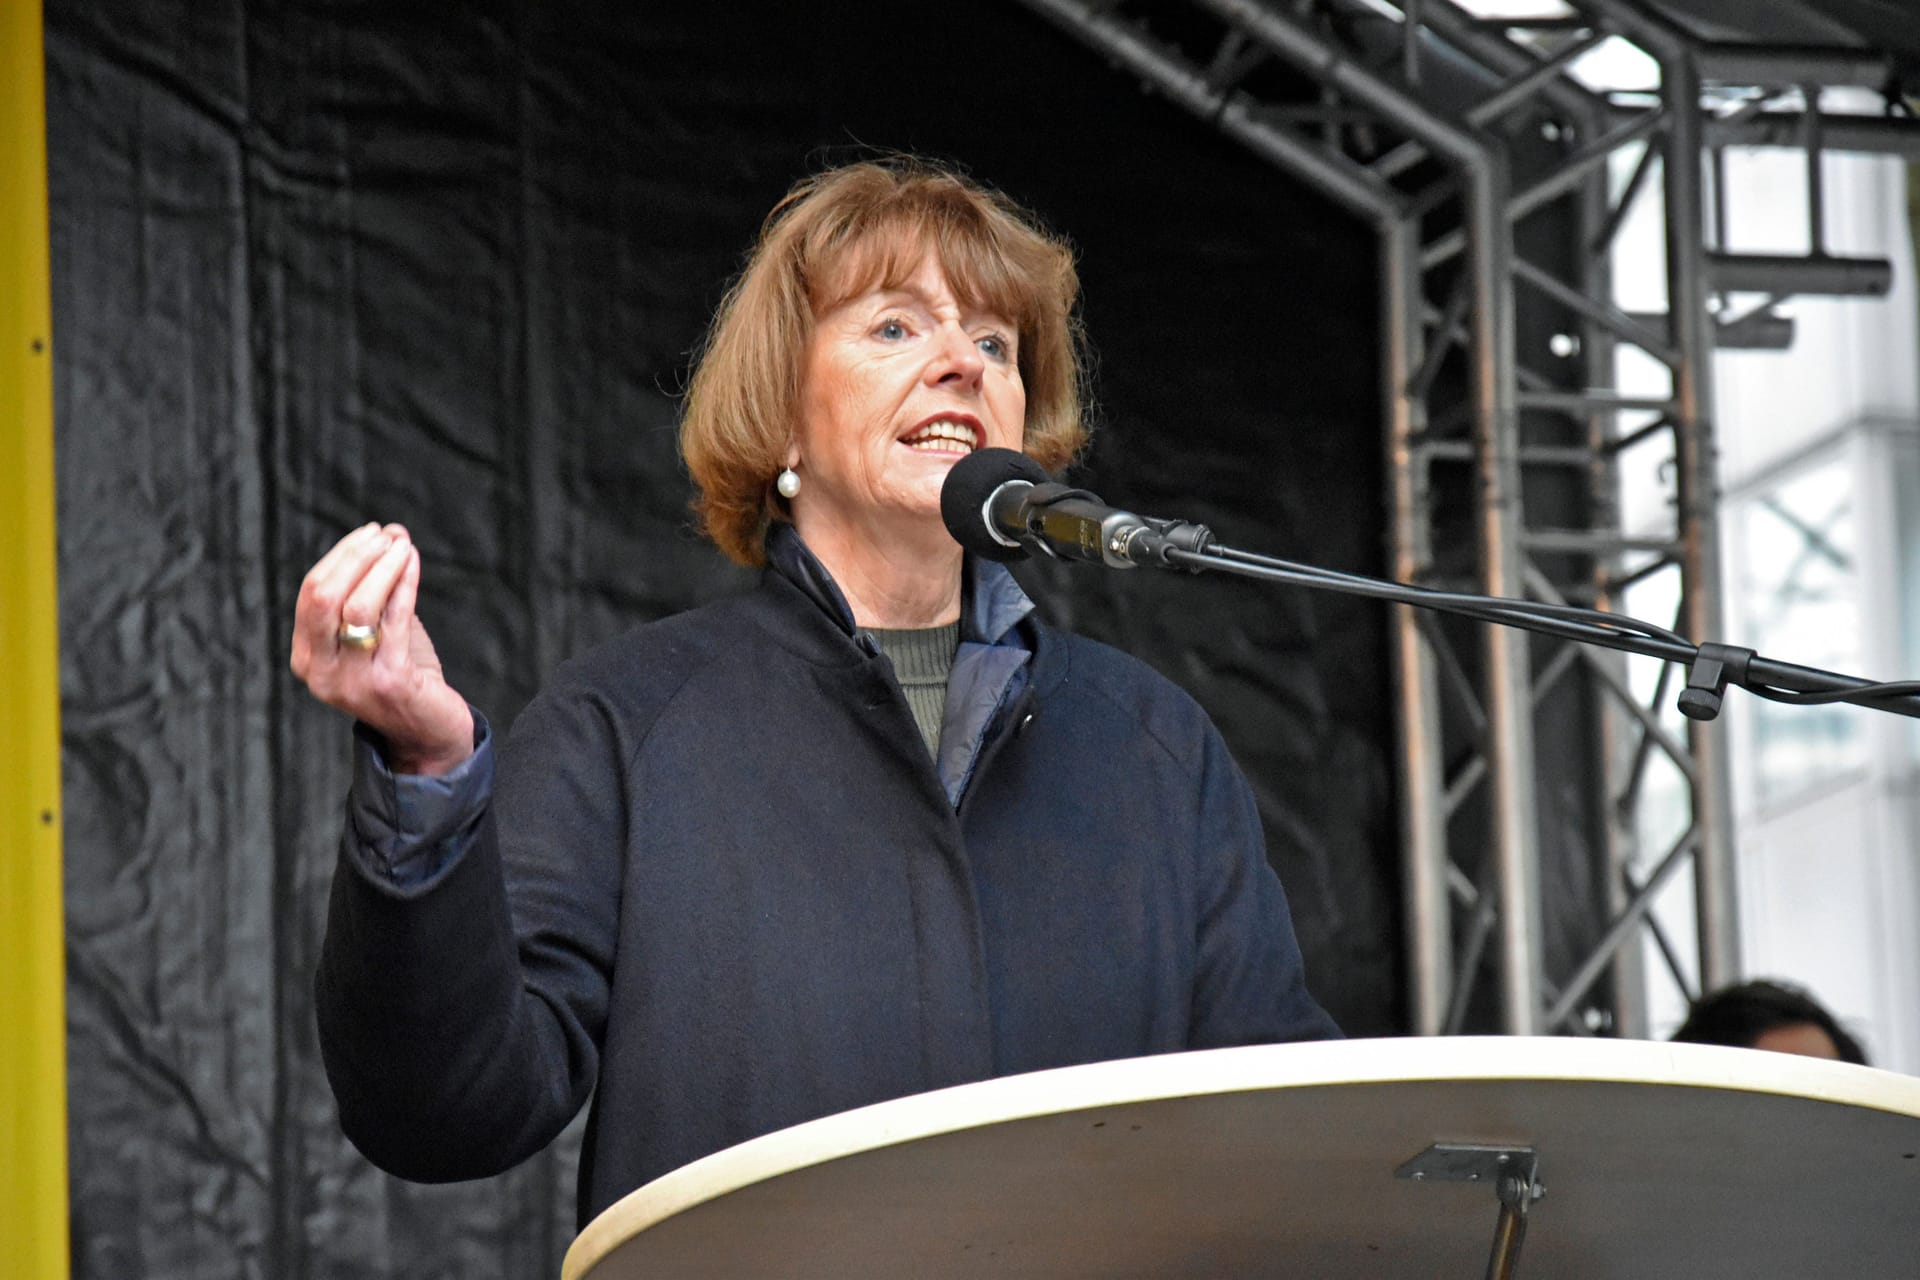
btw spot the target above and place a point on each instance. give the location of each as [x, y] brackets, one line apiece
[1589, 626]
[1431, 596]
[1866, 693]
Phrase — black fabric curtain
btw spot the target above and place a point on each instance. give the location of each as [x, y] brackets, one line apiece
[444, 263]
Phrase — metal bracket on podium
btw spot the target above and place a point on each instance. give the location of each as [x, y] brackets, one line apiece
[1514, 1174]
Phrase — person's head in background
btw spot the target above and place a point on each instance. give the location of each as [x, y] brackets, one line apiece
[1769, 1015]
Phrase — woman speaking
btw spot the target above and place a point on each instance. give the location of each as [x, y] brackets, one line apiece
[868, 830]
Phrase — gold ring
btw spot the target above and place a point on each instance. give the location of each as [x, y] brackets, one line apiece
[355, 635]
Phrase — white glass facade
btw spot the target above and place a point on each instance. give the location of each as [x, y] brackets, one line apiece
[1820, 475]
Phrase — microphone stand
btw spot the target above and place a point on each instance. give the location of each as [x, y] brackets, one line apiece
[1710, 666]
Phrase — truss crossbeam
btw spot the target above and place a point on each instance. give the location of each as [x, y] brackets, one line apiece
[1792, 274]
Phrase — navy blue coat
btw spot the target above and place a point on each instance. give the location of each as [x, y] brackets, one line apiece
[721, 881]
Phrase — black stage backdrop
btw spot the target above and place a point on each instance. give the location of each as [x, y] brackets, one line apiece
[326, 262]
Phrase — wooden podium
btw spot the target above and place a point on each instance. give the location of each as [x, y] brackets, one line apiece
[1393, 1159]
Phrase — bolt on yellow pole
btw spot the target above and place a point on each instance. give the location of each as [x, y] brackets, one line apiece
[33, 1077]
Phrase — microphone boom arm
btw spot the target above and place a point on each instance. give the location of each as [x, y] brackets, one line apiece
[1711, 666]
[1000, 504]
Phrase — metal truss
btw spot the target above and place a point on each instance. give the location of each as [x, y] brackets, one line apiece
[1385, 129]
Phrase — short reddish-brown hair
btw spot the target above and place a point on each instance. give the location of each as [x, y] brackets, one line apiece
[835, 236]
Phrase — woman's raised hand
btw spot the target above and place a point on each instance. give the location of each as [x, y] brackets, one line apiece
[370, 579]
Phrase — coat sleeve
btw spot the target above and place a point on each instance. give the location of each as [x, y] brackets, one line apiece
[460, 1014]
[1250, 985]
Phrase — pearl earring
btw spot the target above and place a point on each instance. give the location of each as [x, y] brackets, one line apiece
[788, 482]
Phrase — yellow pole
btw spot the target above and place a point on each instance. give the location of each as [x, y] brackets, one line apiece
[33, 1076]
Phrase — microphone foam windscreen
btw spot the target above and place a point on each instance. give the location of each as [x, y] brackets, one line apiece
[963, 498]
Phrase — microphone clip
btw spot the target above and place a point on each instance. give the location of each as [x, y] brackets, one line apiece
[1150, 543]
[1713, 668]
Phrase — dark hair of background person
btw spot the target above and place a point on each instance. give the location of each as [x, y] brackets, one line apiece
[1740, 1015]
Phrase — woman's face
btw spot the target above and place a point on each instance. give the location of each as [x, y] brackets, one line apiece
[899, 384]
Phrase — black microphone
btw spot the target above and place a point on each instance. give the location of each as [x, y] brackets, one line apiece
[999, 503]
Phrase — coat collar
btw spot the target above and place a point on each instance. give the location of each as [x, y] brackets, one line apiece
[991, 668]
[992, 605]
